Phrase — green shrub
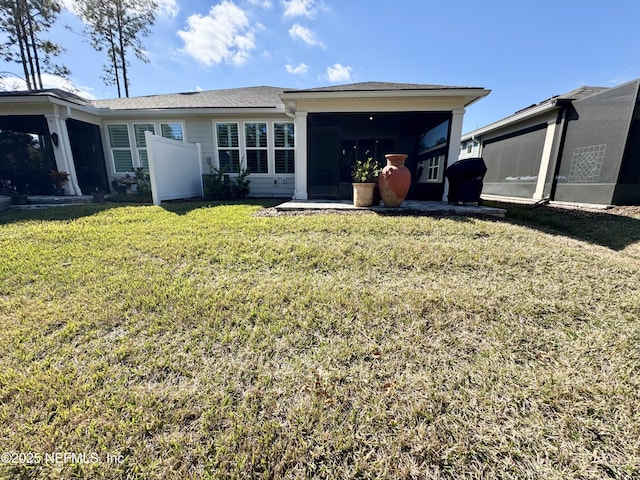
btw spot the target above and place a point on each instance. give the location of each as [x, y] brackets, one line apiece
[220, 186]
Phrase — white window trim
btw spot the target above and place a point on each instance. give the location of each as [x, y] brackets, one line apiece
[293, 149]
[269, 148]
[217, 147]
[158, 124]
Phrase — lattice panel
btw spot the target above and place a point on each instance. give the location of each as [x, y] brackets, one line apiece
[586, 164]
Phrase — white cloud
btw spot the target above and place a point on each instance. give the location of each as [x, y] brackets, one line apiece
[168, 8]
[224, 35]
[299, 8]
[10, 84]
[261, 3]
[299, 70]
[339, 73]
[304, 34]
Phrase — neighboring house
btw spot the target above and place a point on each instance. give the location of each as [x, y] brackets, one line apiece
[469, 148]
[582, 147]
[296, 143]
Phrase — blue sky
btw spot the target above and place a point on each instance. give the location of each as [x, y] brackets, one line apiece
[524, 51]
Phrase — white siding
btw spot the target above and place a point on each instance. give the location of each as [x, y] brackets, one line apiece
[201, 130]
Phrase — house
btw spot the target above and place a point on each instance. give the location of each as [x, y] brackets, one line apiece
[582, 147]
[297, 143]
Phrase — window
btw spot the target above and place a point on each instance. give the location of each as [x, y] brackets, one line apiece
[433, 169]
[172, 130]
[228, 147]
[469, 147]
[128, 156]
[120, 147]
[256, 147]
[141, 143]
[284, 143]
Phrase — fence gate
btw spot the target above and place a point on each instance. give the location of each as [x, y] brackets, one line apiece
[175, 168]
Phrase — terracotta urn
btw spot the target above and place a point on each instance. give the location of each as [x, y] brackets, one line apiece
[395, 180]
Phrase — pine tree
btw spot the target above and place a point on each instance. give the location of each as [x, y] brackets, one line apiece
[23, 23]
[116, 27]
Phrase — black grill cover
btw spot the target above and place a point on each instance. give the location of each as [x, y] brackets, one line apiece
[465, 180]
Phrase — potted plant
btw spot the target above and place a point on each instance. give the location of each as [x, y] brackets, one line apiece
[58, 179]
[364, 176]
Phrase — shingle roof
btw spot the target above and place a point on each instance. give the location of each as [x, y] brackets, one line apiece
[48, 92]
[377, 87]
[249, 97]
[574, 94]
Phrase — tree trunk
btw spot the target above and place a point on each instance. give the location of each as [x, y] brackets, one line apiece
[34, 46]
[123, 59]
[114, 62]
[22, 43]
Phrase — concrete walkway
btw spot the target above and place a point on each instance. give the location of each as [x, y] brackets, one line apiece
[408, 207]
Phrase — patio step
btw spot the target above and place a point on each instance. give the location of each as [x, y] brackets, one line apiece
[47, 201]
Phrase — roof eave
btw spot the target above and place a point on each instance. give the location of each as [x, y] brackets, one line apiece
[476, 93]
[515, 118]
[175, 112]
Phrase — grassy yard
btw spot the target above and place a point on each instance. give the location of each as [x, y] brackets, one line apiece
[202, 341]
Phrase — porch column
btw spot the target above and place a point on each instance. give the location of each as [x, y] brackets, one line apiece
[455, 137]
[545, 161]
[300, 190]
[62, 152]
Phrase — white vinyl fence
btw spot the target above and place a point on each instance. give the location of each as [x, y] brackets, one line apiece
[175, 168]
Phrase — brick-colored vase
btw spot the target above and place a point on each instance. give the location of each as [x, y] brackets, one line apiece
[394, 180]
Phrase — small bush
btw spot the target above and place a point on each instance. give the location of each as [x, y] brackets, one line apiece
[220, 186]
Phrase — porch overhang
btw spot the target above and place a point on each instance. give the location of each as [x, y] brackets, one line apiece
[351, 101]
[374, 98]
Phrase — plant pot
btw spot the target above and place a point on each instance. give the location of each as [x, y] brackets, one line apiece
[58, 192]
[363, 194]
[98, 198]
[394, 180]
[20, 199]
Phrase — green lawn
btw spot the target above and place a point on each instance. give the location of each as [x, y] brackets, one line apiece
[203, 341]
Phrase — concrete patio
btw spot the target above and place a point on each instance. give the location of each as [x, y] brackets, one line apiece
[408, 207]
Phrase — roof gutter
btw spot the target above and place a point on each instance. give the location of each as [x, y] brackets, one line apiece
[532, 112]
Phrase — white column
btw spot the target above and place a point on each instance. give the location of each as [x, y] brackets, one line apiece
[455, 136]
[300, 190]
[545, 161]
[62, 152]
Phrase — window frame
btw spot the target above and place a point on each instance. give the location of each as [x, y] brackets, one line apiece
[160, 123]
[434, 168]
[237, 148]
[285, 148]
[266, 149]
[113, 149]
[140, 149]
